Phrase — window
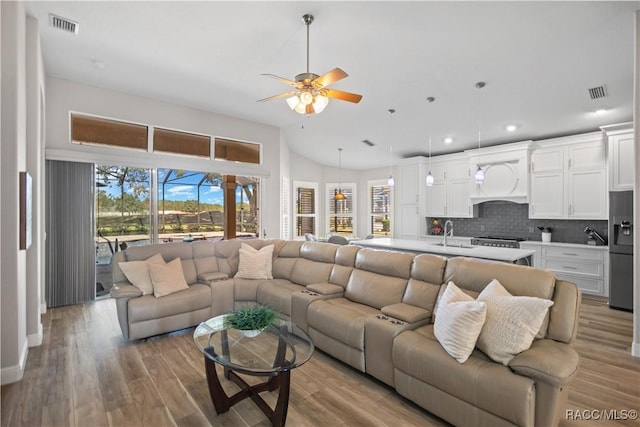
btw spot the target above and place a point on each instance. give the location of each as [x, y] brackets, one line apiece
[306, 208]
[341, 214]
[95, 130]
[380, 208]
[171, 141]
[285, 214]
[227, 149]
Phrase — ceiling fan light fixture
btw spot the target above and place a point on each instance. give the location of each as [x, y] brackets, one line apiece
[306, 98]
[300, 108]
[319, 103]
[293, 101]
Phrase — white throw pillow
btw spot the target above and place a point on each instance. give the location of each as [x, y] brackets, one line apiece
[137, 272]
[255, 264]
[512, 322]
[459, 320]
[168, 278]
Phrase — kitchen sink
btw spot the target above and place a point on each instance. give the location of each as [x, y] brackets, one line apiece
[454, 245]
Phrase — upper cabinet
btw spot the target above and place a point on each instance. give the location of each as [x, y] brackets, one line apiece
[620, 141]
[568, 178]
[449, 196]
[410, 193]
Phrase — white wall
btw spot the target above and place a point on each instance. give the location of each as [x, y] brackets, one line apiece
[64, 96]
[35, 166]
[13, 160]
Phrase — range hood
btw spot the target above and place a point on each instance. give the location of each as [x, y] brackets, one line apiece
[506, 173]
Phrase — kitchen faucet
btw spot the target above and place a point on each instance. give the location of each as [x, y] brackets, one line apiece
[449, 233]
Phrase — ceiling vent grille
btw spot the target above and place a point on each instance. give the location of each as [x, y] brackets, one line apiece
[63, 24]
[369, 143]
[598, 92]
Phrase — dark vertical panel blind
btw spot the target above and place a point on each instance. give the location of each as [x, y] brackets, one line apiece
[70, 245]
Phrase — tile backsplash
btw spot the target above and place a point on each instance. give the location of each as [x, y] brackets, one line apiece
[512, 220]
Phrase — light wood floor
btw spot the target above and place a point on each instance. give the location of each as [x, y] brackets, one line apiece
[86, 374]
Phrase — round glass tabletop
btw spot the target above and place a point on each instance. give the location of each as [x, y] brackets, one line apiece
[281, 346]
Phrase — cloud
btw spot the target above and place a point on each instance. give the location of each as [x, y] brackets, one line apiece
[182, 191]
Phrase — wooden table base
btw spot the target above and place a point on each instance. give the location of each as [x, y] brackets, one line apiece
[222, 402]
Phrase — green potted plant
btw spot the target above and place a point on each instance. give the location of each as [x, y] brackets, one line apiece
[546, 233]
[251, 320]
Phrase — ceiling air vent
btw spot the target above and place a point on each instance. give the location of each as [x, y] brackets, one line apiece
[63, 24]
[369, 143]
[598, 92]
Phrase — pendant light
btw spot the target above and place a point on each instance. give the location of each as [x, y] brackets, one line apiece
[430, 180]
[390, 182]
[479, 175]
[339, 195]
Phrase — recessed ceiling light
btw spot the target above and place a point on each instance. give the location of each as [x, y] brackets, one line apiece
[448, 140]
[511, 128]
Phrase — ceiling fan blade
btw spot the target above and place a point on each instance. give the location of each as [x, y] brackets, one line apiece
[328, 78]
[341, 95]
[281, 95]
[282, 80]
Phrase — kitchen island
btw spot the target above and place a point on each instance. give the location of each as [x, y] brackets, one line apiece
[519, 256]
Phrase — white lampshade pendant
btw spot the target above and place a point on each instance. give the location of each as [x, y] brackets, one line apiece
[479, 176]
[429, 179]
[319, 103]
[391, 183]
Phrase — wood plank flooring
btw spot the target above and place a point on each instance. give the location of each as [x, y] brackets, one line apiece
[86, 374]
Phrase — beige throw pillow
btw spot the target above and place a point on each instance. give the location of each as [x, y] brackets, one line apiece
[255, 264]
[137, 272]
[512, 322]
[458, 323]
[168, 278]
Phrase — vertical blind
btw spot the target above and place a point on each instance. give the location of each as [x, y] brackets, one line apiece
[70, 245]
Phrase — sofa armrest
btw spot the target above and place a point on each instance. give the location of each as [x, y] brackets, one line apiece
[125, 290]
[406, 312]
[549, 361]
[326, 289]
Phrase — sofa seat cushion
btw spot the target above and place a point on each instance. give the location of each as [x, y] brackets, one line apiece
[148, 307]
[276, 293]
[341, 319]
[479, 381]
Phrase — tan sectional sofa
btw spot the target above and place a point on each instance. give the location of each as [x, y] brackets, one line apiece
[374, 311]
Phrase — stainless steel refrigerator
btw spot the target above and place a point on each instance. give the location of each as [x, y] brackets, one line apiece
[621, 250]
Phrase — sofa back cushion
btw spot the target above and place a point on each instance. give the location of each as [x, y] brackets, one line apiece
[427, 272]
[286, 259]
[204, 257]
[380, 277]
[315, 263]
[344, 264]
[227, 252]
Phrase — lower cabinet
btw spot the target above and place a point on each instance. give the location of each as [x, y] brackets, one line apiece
[586, 266]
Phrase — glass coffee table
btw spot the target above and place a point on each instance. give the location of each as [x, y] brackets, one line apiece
[272, 353]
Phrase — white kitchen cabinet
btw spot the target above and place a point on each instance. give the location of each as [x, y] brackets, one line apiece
[620, 141]
[410, 198]
[586, 266]
[449, 197]
[568, 178]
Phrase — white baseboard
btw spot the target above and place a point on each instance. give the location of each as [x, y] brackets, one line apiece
[635, 349]
[12, 374]
[43, 308]
[35, 340]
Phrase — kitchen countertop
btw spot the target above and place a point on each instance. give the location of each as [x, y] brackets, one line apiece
[485, 252]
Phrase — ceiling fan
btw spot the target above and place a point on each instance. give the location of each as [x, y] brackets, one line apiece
[311, 94]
